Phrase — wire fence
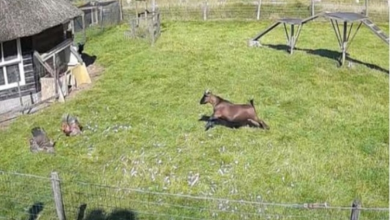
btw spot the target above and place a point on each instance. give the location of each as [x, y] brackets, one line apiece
[117, 10]
[31, 196]
[377, 10]
[98, 15]
[24, 195]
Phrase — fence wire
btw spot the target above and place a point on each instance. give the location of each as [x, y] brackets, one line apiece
[105, 201]
[378, 10]
[25, 197]
[97, 17]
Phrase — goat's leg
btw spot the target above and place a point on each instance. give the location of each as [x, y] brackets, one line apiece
[254, 122]
[259, 123]
[263, 124]
[210, 122]
[209, 125]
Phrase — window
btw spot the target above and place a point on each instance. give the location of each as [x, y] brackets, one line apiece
[11, 64]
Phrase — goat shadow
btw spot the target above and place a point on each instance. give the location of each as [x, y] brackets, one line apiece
[34, 210]
[224, 123]
[88, 59]
[100, 214]
[330, 54]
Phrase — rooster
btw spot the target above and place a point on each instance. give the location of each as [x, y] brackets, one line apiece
[40, 141]
[70, 125]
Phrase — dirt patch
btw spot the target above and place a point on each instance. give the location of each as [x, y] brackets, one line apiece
[94, 70]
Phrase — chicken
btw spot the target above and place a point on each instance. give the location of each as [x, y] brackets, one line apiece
[40, 141]
[70, 125]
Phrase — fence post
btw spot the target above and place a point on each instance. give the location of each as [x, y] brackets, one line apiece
[205, 11]
[101, 17]
[83, 24]
[55, 183]
[56, 77]
[312, 8]
[258, 9]
[366, 6]
[120, 10]
[153, 6]
[355, 210]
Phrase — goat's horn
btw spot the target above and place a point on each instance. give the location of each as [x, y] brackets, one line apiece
[207, 91]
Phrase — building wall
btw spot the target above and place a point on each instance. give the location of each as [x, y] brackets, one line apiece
[33, 71]
[31, 80]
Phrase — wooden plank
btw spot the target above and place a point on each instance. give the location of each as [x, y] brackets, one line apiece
[47, 67]
[57, 49]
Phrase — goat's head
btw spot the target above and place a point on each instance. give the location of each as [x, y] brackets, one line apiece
[207, 97]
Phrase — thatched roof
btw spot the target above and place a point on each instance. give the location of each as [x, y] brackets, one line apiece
[20, 18]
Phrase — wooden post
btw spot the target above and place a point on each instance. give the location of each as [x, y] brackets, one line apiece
[205, 11]
[72, 26]
[136, 13]
[355, 210]
[56, 77]
[55, 183]
[120, 10]
[344, 44]
[258, 9]
[101, 16]
[312, 8]
[366, 6]
[151, 31]
[83, 23]
[133, 24]
[153, 6]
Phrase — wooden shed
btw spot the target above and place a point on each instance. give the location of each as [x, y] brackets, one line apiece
[101, 13]
[32, 32]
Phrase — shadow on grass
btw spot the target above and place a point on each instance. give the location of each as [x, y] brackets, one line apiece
[34, 210]
[224, 123]
[88, 59]
[331, 54]
[100, 214]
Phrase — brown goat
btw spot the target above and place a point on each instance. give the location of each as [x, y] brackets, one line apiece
[243, 114]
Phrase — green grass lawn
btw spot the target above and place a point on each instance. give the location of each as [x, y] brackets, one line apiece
[329, 126]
